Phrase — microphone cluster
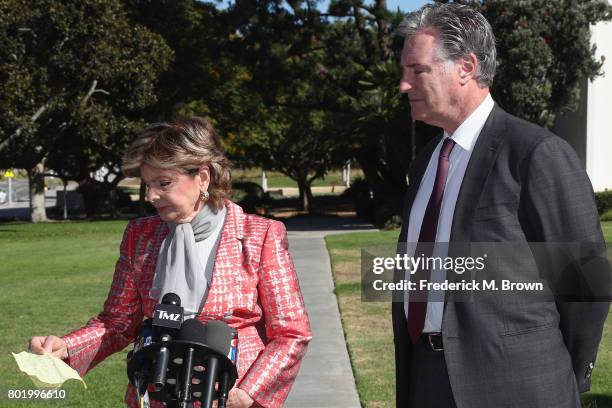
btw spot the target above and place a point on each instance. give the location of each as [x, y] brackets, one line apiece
[182, 362]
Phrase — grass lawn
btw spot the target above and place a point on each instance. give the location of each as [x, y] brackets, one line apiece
[369, 335]
[54, 277]
[278, 180]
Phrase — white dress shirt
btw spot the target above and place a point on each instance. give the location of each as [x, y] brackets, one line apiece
[465, 138]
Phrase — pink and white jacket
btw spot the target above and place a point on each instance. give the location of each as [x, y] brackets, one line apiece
[254, 289]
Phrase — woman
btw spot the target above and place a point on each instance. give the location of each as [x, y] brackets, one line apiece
[224, 264]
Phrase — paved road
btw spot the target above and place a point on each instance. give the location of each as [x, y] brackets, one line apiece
[19, 209]
[325, 378]
[19, 189]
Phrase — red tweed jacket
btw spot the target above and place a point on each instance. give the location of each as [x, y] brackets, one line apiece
[254, 289]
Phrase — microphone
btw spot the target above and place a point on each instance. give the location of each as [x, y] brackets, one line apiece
[168, 314]
[167, 319]
[193, 331]
[219, 337]
[223, 339]
[145, 335]
[143, 339]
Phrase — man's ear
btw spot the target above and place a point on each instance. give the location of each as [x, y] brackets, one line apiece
[467, 68]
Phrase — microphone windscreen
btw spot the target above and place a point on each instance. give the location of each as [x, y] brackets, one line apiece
[192, 330]
[146, 329]
[145, 335]
[146, 324]
[171, 299]
[219, 336]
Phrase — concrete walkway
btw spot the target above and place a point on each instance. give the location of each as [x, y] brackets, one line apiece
[325, 378]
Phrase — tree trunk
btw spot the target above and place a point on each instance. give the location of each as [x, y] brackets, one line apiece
[306, 200]
[36, 176]
[113, 202]
[384, 42]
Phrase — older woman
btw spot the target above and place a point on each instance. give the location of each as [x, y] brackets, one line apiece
[224, 264]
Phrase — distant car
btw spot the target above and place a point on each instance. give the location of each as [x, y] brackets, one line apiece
[3, 197]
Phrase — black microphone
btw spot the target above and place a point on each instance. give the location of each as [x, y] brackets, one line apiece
[145, 335]
[192, 331]
[219, 337]
[168, 314]
[223, 339]
[167, 320]
[143, 339]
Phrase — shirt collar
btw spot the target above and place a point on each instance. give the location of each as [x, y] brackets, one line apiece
[467, 133]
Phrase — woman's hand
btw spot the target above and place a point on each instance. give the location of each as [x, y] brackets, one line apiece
[49, 344]
[238, 398]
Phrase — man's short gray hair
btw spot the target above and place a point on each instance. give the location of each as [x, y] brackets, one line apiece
[462, 30]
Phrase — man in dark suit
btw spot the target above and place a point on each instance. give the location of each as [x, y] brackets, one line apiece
[491, 177]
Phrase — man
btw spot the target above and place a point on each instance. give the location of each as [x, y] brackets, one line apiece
[490, 177]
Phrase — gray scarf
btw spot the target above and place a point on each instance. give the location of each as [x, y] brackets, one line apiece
[179, 267]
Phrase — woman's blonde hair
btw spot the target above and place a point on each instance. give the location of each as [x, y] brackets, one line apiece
[183, 145]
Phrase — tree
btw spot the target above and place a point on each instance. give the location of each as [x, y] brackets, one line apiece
[544, 52]
[290, 88]
[274, 105]
[75, 78]
[299, 143]
[204, 78]
[297, 124]
[365, 61]
[197, 32]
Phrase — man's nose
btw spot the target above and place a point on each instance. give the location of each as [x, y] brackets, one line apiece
[405, 84]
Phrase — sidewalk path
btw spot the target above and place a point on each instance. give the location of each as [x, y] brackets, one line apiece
[325, 378]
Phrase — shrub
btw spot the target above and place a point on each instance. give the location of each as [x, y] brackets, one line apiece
[392, 223]
[250, 196]
[362, 195]
[603, 200]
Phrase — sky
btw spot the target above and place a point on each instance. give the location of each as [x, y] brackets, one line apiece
[404, 5]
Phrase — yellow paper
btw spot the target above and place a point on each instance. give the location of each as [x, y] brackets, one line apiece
[46, 371]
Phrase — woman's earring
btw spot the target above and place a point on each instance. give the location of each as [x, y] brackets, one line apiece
[204, 196]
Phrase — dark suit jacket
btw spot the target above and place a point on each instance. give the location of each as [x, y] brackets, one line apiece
[522, 184]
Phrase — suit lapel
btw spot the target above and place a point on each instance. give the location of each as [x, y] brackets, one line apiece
[480, 164]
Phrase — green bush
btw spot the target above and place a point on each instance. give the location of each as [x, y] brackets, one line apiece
[250, 196]
[392, 223]
[603, 200]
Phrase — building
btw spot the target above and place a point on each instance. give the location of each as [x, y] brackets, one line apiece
[589, 129]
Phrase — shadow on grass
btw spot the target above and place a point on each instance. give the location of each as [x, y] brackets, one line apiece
[7, 230]
[326, 223]
[596, 401]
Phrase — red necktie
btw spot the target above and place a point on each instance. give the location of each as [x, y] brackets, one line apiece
[429, 228]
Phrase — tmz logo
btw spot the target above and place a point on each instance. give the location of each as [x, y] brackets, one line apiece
[170, 316]
[162, 314]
